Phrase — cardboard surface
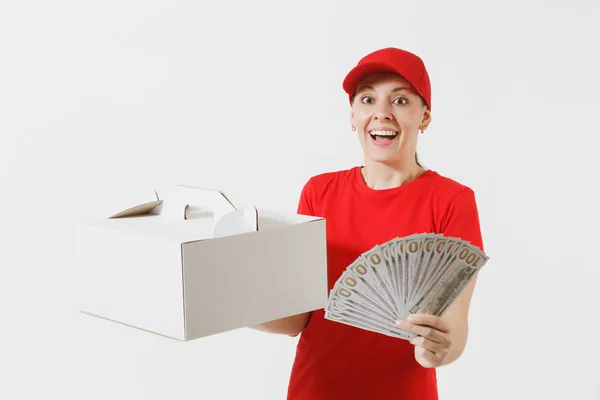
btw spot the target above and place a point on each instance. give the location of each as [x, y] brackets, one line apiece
[254, 278]
[190, 265]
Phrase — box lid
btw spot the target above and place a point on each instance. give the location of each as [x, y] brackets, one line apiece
[187, 213]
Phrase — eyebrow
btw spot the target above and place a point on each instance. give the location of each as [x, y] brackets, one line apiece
[398, 89]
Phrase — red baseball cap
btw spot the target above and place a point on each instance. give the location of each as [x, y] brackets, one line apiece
[391, 59]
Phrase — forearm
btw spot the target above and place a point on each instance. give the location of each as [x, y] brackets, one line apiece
[460, 331]
[291, 326]
[457, 317]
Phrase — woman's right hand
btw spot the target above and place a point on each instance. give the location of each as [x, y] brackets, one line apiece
[291, 326]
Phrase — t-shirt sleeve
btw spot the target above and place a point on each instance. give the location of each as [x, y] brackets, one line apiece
[462, 219]
[306, 202]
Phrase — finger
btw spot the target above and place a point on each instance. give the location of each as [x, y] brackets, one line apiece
[425, 331]
[429, 320]
[426, 358]
[430, 345]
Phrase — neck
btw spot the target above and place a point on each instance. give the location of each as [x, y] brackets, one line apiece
[381, 176]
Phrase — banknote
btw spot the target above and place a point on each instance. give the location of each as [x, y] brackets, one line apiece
[445, 260]
[397, 249]
[389, 330]
[443, 251]
[371, 278]
[372, 319]
[342, 297]
[389, 253]
[358, 310]
[419, 273]
[465, 264]
[423, 262]
[350, 287]
[412, 248]
[382, 269]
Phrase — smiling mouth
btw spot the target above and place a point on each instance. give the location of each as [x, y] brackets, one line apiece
[383, 136]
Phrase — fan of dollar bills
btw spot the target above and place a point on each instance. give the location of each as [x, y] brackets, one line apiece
[421, 273]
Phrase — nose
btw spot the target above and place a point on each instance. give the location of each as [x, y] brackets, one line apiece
[383, 111]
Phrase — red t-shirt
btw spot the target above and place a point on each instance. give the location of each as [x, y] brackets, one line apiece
[337, 361]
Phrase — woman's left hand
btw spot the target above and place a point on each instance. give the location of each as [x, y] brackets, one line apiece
[432, 341]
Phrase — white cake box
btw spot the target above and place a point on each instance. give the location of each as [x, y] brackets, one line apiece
[189, 265]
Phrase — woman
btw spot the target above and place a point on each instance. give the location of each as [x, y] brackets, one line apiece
[391, 195]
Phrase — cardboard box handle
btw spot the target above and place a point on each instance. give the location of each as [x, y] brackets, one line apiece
[189, 203]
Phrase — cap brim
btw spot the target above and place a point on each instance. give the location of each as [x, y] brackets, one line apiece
[358, 72]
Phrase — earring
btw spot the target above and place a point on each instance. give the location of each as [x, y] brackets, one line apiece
[353, 128]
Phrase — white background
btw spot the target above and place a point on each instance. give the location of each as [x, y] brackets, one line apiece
[101, 98]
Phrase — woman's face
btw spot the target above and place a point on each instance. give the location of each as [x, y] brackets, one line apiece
[387, 113]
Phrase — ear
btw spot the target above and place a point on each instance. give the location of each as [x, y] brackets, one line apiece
[352, 123]
[426, 119]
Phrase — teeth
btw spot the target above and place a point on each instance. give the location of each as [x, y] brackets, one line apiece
[383, 133]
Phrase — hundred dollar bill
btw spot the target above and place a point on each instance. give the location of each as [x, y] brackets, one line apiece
[392, 252]
[445, 259]
[387, 250]
[433, 246]
[338, 304]
[401, 273]
[465, 261]
[403, 262]
[423, 258]
[344, 299]
[382, 272]
[355, 318]
[352, 312]
[362, 325]
[362, 271]
[356, 322]
[468, 261]
[348, 286]
[444, 256]
[421, 273]
[412, 249]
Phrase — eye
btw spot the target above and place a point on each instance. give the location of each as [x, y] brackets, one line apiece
[366, 99]
[400, 100]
